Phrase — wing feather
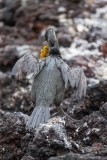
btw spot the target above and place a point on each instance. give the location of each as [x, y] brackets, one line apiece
[28, 64]
[73, 76]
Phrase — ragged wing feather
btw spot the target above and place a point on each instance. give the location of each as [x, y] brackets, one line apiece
[73, 76]
[28, 64]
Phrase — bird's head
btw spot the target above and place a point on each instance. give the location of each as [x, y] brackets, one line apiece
[50, 37]
[52, 41]
[53, 46]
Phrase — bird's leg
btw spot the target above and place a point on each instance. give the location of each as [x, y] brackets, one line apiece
[31, 108]
[61, 112]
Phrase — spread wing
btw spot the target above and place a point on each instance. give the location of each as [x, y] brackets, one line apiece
[27, 64]
[75, 77]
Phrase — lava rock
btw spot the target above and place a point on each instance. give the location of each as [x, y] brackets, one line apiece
[14, 96]
[103, 110]
[12, 129]
[58, 136]
[74, 156]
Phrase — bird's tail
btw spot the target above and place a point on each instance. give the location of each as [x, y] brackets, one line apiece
[39, 115]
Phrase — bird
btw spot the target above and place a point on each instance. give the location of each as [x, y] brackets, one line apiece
[51, 75]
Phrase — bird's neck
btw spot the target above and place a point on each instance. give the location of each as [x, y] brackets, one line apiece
[52, 42]
[54, 51]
